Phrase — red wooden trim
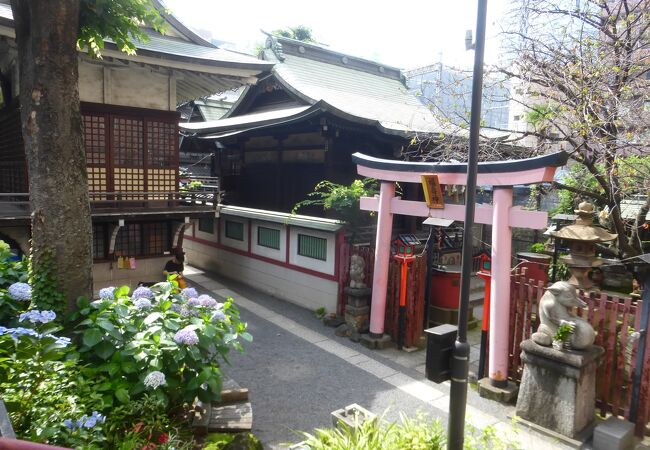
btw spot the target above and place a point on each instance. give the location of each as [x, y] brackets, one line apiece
[170, 116]
[264, 259]
[287, 258]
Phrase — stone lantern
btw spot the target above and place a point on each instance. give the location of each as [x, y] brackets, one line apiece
[582, 238]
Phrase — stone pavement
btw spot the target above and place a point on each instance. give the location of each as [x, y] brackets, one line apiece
[298, 371]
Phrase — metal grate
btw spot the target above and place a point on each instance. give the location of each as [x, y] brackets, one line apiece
[312, 247]
[129, 240]
[94, 137]
[268, 237]
[234, 230]
[206, 225]
[156, 238]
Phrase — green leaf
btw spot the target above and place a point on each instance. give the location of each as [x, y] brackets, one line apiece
[122, 395]
[106, 325]
[91, 337]
[246, 336]
[104, 350]
[152, 317]
[122, 291]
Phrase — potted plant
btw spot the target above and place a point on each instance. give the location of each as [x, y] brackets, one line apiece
[562, 335]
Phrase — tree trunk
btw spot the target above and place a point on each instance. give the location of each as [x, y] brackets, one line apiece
[46, 34]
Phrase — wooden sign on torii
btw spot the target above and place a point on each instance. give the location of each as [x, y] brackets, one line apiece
[501, 175]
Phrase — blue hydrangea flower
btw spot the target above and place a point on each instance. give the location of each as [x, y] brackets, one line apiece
[155, 379]
[175, 307]
[186, 336]
[208, 301]
[142, 292]
[36, 316]
[70, 424]
[142, 303]
[194, 301]
[15, 333]
[107, 293]
[20, 291]
[60, 340]
[218, 316]
[189, 292]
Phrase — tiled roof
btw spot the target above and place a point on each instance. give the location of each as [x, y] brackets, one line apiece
[176, 48]
[354, 91]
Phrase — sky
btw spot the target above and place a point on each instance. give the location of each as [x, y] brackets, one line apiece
[405, 34]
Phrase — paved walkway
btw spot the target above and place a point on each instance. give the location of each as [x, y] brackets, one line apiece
[298, 371]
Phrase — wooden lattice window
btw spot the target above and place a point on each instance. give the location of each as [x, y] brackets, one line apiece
[268, 237]
[129, 240]
[156, 238]
[94, 137]
[312, 247]
[128, 142]
[161, 143]
[99, 241]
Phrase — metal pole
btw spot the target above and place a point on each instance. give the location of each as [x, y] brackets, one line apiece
[460, 353]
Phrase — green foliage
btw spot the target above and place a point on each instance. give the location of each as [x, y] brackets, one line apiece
[45, 294]
[118, 20]
[127, 342]
[11, 272]
[230, 441]
[417, 433]
[537, 247]
[563, 332]
[343, 200]
[299, 33]
[320, 312]
[562, 273]
[540, 115]
[143, 422]
[43, 384]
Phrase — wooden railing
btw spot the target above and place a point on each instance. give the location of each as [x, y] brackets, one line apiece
[616, 322]
[16, 205]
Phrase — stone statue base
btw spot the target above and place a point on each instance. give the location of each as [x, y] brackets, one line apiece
[357, 311]
[558, 388]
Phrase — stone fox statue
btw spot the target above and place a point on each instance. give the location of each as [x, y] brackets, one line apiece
[554, 309]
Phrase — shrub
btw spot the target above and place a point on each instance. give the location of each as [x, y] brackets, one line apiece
[159, 340]
[417, 433]
[45, 388]
[11, 273]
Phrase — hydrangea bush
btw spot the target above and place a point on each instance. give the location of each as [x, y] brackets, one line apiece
[43, 384]
[161, 341]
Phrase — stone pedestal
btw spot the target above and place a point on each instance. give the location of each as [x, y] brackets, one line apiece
[558, 388]
[357, 311]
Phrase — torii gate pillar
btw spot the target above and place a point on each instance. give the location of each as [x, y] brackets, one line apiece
[382, 253]
[500, 286]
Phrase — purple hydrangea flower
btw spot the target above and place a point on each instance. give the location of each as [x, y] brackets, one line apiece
[208, 301]
[142, 303]
[186, 336]
[142, 292]
[194, 301]
[154, 379]
[175, 307]
[185, 312]
[20, 291]
[107, 293]
[189, 292]
[218, 316]
[35, 316]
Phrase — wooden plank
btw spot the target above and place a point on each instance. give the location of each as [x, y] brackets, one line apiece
[234, 417]
[511, 324]
[610, 354]
[620, 382]
[529, 308]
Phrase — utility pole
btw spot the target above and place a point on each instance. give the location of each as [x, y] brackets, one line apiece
[460, 353]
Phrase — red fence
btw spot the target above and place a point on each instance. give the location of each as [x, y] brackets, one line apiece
[615, 321]
[414, 291]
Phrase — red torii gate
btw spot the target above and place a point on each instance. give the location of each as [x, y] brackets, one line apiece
[502, 175]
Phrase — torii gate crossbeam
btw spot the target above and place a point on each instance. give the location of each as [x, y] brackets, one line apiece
[502, 176]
